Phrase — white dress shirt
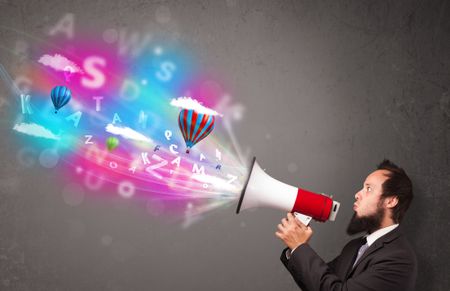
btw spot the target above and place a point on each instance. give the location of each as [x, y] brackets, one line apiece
[371, 238]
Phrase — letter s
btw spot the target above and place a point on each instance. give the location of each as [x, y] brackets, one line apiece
[91, 66]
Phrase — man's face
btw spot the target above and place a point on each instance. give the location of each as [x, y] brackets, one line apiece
[369, 208]
[368, 197]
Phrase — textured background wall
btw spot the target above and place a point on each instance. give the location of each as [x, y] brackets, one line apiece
[330, 89]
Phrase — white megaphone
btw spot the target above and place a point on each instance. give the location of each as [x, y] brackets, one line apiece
[261, 190]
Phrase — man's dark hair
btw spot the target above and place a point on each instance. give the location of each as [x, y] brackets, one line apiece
[398, 184]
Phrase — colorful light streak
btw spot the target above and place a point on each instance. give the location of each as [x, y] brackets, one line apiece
[130, 97]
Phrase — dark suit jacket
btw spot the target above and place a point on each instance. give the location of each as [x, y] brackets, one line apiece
[389, 264]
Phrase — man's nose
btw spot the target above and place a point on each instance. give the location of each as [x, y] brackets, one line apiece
[357, 195]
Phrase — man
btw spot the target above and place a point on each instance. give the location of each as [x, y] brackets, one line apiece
[381, 260]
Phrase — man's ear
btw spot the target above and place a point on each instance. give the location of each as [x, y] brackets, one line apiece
[391, 201]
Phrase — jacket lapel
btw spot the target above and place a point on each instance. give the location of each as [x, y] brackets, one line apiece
[351, 256]
[379, 243]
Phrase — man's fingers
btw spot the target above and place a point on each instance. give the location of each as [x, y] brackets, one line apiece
[281, 228]
[300, 224]
[284, 221]
[290, 216]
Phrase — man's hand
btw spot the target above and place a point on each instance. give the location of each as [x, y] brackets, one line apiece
[292, 232]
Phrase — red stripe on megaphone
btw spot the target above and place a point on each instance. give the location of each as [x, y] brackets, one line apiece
[317, 206]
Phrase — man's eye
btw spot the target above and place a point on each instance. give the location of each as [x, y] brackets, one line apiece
[369, 188]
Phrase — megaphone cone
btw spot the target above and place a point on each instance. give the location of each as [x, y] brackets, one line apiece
[261, 190]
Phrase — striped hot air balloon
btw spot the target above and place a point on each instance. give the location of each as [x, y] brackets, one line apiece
[60, 96]
[194, 126]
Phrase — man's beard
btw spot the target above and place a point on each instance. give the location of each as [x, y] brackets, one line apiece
[367, 223]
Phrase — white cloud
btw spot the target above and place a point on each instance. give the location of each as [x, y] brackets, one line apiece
[127, 133]
[189, 103]
[34, 129]
[60, 63]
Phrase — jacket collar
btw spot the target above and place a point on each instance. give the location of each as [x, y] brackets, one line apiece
[371, 238]
[379, 243]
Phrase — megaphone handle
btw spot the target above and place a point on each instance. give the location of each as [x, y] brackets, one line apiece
[303, 218]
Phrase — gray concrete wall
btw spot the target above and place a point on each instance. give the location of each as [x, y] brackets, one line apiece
[351, 82]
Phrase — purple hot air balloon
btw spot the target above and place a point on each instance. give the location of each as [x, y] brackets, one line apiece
[194, 126]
